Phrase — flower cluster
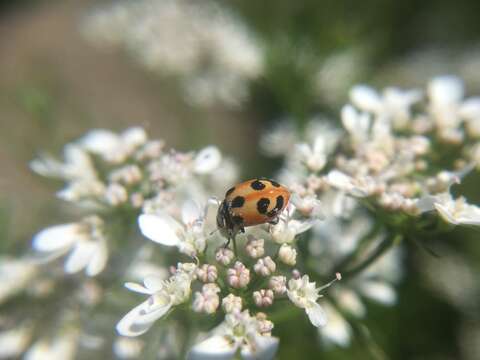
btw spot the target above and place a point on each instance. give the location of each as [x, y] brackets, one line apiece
[382, 178]
[355, 194]
[203, 44]
[395, 152]
[254, 276]
[111, 179]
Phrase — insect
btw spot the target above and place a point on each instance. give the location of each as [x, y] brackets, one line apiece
[252, 202]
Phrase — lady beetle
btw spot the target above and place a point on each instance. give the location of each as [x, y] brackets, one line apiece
[252, 202]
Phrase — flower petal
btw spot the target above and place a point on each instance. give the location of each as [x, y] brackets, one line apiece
[56, 237]
[80, 256]
[100, 141]
[380, 292]
[153, 283]
[214, 348]
[137, 288]
[366, 98]
[98, 260]
[207, 160]
[316, 314]
[337, 331]
[445, 90]
[266, 348]
[162, 229]
[138, 320]
[191, 212]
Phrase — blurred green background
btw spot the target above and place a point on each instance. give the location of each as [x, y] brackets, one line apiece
[54, 86]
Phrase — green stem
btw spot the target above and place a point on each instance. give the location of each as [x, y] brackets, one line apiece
[235, 251]
[362, 244]
[381, 249]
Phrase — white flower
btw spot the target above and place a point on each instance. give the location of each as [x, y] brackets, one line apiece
[62, 346]
[188, 236]
[337, 331]
[470, 111]
[14, 341]
[308, 205]
[287, 228]
[224, 256]
[113, 147]
[278, 284]
[207, 160]
[287, 255]
[128, 348]
[15, 275]
[263, 297]
[163, 295]
[255, 247]
[357, 124]
[238, 276]
[265, 266]
[116, 194]
[238, 331]
[304, 294]
[313, 156]
[361, 187]
[449, 110]
[177, 37]
[394, 103]
[84, 240]
[457, 211]
[77, 165]
[232, 303]
[207, 273]
[208, 300]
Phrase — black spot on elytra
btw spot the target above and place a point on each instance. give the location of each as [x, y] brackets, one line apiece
[280, 202]
[229, 191]
[262, 205]
[278, 206]
[274, 183]
[257, 185]
[237, 219]
[237, 202]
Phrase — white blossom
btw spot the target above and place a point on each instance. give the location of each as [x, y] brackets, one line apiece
[208, 300]
[188, 235]
[62, 346]
[265, 266]
[304, 294]
[224, 256]
[128, 348]
[263, 297]
[84, 241]
[232, 303]
[15, 275]
[287, 255]
[288, 228]
[238, 276]
[163, 295]
[255, 247]
[13, 342]
[278, 284]
[112, 147]
[238, 331]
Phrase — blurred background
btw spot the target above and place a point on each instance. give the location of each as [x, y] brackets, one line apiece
[195, 73]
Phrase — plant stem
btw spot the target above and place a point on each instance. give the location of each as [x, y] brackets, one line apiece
[381, 249]
[362, 244]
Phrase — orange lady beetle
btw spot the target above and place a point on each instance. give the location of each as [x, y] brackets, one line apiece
[252, 202]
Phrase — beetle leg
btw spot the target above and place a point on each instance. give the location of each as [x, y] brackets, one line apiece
[274, 221]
